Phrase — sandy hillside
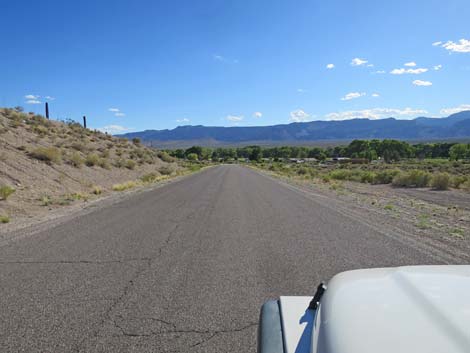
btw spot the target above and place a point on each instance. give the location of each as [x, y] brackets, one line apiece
[51, 164]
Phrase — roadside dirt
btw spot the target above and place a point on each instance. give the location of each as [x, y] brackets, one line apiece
[439, 220]
[54, 167]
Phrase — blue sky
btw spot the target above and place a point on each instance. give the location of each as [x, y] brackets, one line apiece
[135, 65]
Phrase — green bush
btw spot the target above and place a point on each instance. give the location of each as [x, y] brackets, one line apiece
[4, 219]
[412, 179]
[440, 181]
[192, 157]
[302, 171]
[457, 181]
[92, 159]
[5, 191]
[47, 154]
[385, 176]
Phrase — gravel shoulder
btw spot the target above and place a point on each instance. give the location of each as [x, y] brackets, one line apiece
[436, 220]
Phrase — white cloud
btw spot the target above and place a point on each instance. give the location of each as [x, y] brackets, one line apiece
[234, 118]
[408, 71]
[184, 120]
[299, 116]
[301, 90]
[49, 98]
[462, 46]
[119, 114]
[379, 72]
[450, 111]
[113, 129]
[114, 110]
[33, 101]
[31, 96]
[375, 113]
[352, 95]
[410, 64]
[330, 66]
[422, 83]
[375, 95]
[224, 59]
[436, 44]
[257, 115]
[437, 67]
[358, 62]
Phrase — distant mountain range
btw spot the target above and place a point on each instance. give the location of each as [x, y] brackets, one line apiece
[456, 126]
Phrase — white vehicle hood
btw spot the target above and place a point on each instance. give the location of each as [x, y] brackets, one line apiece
[419, 309]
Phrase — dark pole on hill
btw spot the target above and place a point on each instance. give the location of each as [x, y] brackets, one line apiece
[47, 110]
[84, 121]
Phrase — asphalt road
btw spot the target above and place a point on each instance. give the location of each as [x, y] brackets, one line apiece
[183, 268]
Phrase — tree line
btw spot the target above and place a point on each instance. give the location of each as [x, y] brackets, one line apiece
[388, 150]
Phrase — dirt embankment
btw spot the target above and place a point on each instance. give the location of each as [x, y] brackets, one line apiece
[46, 165]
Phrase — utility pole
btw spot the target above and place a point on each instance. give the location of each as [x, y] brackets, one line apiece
[47, 110]
[84, 121]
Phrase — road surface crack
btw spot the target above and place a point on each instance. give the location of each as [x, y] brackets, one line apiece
[118, 261]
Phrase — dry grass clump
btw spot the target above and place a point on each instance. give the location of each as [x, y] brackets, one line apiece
[50, 155]
[92, 159]
[130, 164]
[166, 170]
[4, 219]
[5, 191]
[76, 160]
[125, 186]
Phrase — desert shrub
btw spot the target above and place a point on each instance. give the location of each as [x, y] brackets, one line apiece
[103, 163]
[119, 163]
[96, 190]
[136, 141]
[465, 185]
[47, 154]
[457, 180]
[413, 178]
[165, 157]
[165, 170]
[302, 171]
[105, 154]
[92, 159]
[76, 160]
[440, 181]
[45, 200]
[149, 178]
[4, 219]
[385, 176]
[130, 164]
[5, 191]
[40, 130]
[124, 186]
[79, 146]
[367, 177]
[340, 174]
